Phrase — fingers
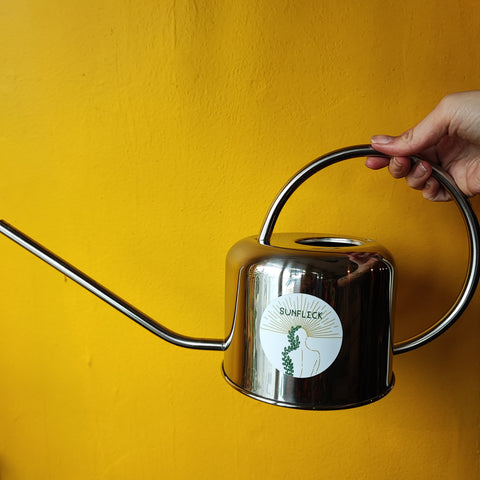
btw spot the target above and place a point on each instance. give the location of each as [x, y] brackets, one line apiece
[376, 163]
[420, 178]
[418, 175]
[419, 138]
[399, 167]
[442, 137]
[434, 192]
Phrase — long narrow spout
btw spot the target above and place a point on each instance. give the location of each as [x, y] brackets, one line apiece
[106, 295]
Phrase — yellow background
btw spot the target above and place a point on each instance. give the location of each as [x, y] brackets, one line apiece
[139, 140]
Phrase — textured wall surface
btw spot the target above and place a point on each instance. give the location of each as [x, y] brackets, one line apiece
[140, 140]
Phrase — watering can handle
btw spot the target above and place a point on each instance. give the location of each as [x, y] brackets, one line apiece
[471, 222]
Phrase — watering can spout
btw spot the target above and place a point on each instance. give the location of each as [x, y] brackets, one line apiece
[106, 295]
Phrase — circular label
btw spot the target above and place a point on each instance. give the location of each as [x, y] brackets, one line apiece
[300, 334]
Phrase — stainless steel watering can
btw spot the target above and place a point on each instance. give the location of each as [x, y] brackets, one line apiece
[308, 317]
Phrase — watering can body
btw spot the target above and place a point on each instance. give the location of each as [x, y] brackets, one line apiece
[313, 320]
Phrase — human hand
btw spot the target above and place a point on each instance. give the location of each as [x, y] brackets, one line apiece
[449, 136]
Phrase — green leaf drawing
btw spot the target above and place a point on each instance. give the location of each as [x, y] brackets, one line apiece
[293, 344]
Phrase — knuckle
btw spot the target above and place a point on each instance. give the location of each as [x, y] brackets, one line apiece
[408, 135]
[434, 192]
[448, 103]
[398, 168]
[415, 183]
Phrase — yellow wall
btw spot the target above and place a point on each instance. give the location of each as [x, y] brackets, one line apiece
[140, 139]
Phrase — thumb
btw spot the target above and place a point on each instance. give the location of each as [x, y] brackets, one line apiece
[417, 139]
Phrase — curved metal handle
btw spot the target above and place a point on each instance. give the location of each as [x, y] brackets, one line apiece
[471, 223]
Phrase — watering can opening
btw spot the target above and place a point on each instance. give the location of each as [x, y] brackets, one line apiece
[332, 242]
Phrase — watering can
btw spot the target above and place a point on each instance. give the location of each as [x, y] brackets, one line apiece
[308, 317]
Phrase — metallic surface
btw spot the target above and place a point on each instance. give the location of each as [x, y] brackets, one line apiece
[356, 280]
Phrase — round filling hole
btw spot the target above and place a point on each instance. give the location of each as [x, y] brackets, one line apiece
[329, 242]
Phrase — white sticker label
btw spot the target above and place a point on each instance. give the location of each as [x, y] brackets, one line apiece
[301, 335]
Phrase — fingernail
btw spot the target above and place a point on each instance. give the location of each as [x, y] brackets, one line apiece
[395, 161]
[381, 139]
[420, 170]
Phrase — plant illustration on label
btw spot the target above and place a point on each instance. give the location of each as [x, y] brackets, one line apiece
[300, 334]
[293, 344]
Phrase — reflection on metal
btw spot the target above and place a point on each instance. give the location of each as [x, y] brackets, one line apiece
[356, 281]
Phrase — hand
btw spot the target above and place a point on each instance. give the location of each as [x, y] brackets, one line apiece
[449, 137]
